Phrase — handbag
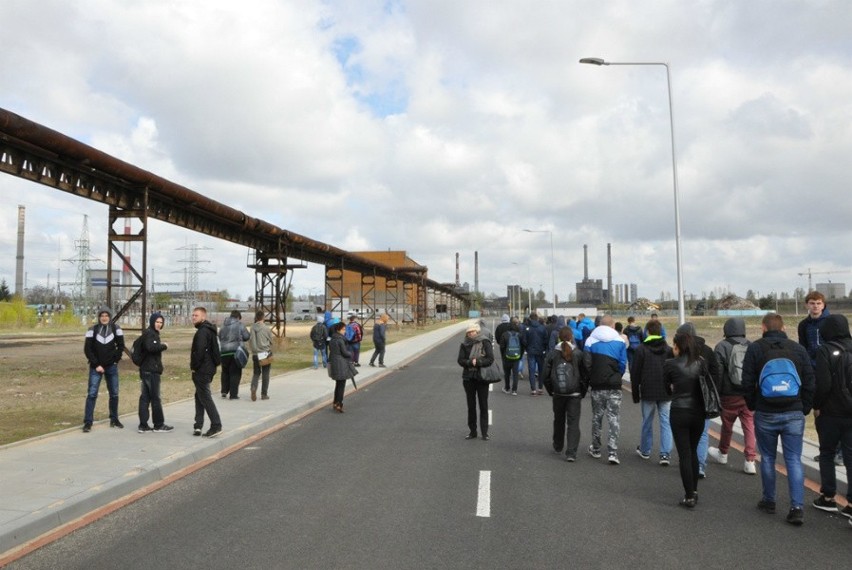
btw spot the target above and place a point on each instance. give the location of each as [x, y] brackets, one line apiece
[241, 356]
[264, 358]
[490, 374]
[712, 404]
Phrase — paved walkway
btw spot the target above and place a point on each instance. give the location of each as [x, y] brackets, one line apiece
[50, 481]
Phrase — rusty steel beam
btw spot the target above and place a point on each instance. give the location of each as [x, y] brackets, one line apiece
[31, 151]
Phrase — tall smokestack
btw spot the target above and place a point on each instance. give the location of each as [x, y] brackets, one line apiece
[585, 262]
[458, 282]
[609, 271]
[19, 259]
[476, 271]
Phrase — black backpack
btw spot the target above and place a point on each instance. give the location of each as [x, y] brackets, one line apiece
[566, 381]
[841, 372]
[137, 351]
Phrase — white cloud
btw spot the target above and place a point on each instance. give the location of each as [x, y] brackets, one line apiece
[439, 126]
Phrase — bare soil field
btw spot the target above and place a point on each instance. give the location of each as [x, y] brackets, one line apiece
[45, 377]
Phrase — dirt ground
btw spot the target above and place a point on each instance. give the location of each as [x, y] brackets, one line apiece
[44, 379]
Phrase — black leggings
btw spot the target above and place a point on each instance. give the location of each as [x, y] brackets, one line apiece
[687, 427]
[339, 389]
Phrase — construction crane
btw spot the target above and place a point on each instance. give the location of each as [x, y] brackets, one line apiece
[809, 273]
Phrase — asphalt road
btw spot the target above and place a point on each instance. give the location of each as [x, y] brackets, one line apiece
[392, 483]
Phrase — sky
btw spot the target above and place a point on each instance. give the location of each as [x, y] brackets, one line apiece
[441, 127]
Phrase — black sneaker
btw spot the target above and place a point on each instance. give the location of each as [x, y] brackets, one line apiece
[824, 503]
[196, 431]
[163, 429]
[767, 507]
[846, 511]
[116, 424]
[144, 428]
[642, 454]
[665, 460]
[796, 516]
[87, 427]
[213, 432]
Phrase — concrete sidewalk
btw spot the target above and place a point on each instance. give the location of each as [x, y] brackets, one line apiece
[50, 481]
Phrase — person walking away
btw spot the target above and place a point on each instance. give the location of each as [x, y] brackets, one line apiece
[354, 334]
[648, 388]
[204, 357]
[681, 376]
[380, 330]
[512, 351]
[103, 348]
[475, 352]
[635, 337]
[715, 373]
[605, 360]
[565, 385]
[340, 365]
[150, 374]
[260, 343]
[730, 353]
[535, 341]
[778, 382]
[319, 340]
[232, 335]
[833, 410]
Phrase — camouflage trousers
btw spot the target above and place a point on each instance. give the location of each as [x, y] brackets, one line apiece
[605, 402]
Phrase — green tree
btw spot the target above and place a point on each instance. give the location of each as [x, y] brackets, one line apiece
[5, 294]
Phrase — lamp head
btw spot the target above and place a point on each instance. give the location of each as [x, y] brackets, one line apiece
[594, 61]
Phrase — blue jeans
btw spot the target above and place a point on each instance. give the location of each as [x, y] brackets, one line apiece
[111, 373]
[662, 408]
[535, 362]
[790, 427]
[702, 448]
[320, 351]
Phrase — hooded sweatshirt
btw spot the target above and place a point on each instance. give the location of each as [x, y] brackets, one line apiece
[605, 358]
[646, 376]
[153, 359]
[232, 335]
[734, 331]
[104, 344]
[829, 398]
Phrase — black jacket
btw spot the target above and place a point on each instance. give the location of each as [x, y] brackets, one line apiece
[751, 375]
[646, 376]
[104, 345]
[340, 365]
[552, 360]
[681, 379]
[828, 398]
[464, 360]
[204, 356]
[153, 358]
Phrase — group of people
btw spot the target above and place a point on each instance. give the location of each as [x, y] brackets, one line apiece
[104, 347]
[769, 385]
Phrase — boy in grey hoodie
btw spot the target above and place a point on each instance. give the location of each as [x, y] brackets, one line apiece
[729, 354]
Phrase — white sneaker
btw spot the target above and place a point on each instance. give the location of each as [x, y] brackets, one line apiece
[749, 467]
[717, 456]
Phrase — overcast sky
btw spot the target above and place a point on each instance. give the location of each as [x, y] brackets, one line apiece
[444, 126]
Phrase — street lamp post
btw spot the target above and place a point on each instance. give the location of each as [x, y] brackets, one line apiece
[552, 266]
[681, 313]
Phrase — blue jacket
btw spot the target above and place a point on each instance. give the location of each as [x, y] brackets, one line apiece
[535, 339]
[605, 358]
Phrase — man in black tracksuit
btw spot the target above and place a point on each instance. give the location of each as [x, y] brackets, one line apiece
[103, 347]
[150, 372]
